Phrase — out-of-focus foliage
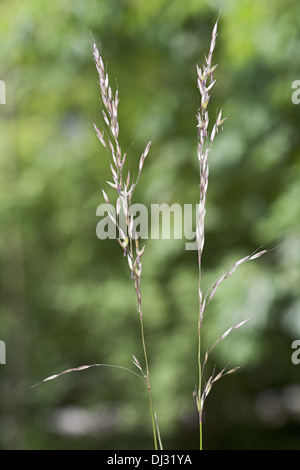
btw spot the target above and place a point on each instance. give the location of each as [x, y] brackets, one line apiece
[66, 297]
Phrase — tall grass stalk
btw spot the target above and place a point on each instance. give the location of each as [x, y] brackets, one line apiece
[205, 84]
[124, 187]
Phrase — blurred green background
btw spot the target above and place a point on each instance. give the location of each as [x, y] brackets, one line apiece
[66, 296]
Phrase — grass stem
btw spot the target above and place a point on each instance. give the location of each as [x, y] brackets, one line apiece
[139, 298]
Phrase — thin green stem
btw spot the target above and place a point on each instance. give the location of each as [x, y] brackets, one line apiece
[138, 294]
[199, 388]
[200, 426]
[199, 403]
